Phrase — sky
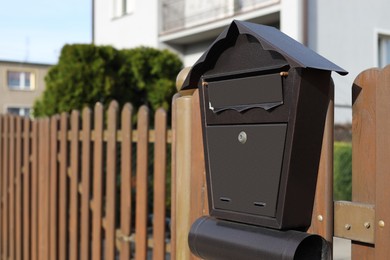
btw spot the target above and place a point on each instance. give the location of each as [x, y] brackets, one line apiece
[35, 31]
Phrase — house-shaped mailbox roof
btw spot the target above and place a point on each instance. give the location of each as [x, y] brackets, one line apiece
[271, 39]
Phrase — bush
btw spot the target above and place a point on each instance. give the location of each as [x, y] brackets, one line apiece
[86, 74]
[342, 171]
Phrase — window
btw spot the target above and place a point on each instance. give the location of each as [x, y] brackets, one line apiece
[383, 50]
[20, 111]
[20, 80]
[123, 7]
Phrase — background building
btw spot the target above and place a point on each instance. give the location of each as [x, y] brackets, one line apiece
[20, 85]
[354, 34]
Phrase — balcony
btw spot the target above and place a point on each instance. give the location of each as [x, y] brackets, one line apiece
[179, 15]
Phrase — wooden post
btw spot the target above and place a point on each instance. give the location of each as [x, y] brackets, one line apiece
[322, 219]
[364, 148]
[182, 172]
[382, 205]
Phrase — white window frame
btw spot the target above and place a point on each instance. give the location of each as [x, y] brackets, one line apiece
[122, 7]
[20, 108]
[22, 86]
[379, 33]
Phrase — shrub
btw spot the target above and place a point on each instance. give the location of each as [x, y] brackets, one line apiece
[342, 171]
[86, 74]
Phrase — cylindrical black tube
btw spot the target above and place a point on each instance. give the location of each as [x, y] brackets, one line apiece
[214, 239]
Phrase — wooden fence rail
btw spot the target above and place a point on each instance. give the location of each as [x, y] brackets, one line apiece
[76, 186]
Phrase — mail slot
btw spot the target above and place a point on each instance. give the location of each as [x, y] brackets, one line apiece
[263, 91]
[264, 99]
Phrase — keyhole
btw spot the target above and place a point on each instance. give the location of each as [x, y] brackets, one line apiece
[242, 137]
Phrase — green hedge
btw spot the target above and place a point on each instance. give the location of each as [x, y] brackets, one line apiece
[342, 171]
[86, 74]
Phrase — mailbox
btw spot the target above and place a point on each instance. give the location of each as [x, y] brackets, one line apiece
[264, 99]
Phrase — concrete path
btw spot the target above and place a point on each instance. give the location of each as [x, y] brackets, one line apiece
[341, 249]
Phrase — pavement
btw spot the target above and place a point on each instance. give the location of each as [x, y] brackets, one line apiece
[341, 249]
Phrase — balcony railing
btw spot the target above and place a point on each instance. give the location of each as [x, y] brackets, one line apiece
[182, 14]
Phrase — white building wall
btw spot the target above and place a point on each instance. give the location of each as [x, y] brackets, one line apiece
[345, 32]
[292, 19]
[140, 27]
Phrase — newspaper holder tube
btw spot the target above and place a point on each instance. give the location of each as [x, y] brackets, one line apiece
[215, 239]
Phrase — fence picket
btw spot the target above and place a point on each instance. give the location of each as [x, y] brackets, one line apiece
[63, 191]
[1, 184]
[363, 146]
[53, 157]
[26, 189]
[85, 184]
[5, 188]
[142, 185]
[34, 192]
[11, 187]
[97, 183]
[126, 174]
[382, 212]
[111, 181]
[18, 190]
[74, 185]
[44, 187]
[160, 157]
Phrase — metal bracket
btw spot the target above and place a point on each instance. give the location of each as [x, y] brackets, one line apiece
[354, 221]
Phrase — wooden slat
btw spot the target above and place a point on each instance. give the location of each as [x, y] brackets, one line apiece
[1, 184]
[26, 190]
[111, 181]
[183, 174]
[18, 190]
[322, 219]
[85, 237]
[97, 183]
[53, 241]
[43, 191]
[142, 184]
[198, 171]
[5, 226]
[364, 148]
[126, 174]
[159, 181]
[11, 212]
[382, 207]
[34, 192]
[11, 164]
[74, 182]
[173, 177]
[63, 191]
[199, 203]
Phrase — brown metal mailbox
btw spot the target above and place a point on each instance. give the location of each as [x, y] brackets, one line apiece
[264, 99]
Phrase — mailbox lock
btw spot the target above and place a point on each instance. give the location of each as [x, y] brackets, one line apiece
[242, 137]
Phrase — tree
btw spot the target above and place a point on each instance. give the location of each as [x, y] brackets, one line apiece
[86, 74]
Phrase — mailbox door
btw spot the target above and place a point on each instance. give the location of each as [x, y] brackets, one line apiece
[245, 163]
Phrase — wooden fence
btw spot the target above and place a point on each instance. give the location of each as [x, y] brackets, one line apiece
[365, 220]
[69, 187]
[70, 190]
